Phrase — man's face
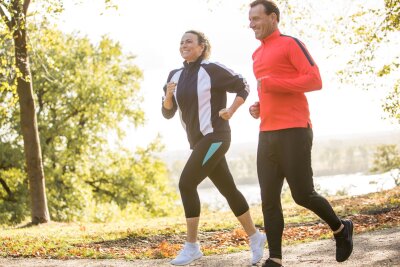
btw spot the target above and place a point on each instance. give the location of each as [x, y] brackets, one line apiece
[261, 23]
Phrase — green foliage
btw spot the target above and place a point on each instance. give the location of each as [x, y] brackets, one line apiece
[8, 87]
[67, 195]
[14, 203]
[392, 103]
[387, 158]
[142, 177]
[13, 185]
[392, 18]
[83, 92]
[10, 156]
[371, 31]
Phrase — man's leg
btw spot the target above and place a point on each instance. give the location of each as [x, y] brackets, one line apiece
[295, 150]
[271, 178]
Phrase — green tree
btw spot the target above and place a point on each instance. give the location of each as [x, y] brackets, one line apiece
[17, 81]
[142, 179]
[13, 180]
[85, 91]
[371, 30]
[14, 14]
[387, 158]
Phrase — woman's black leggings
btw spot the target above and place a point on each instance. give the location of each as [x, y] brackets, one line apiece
[287, 154]
[208, 159]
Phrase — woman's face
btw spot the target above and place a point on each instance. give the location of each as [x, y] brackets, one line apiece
[190, 48]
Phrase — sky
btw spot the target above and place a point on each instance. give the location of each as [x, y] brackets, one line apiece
[152, 30]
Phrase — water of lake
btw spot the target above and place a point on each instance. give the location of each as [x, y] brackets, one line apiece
[350, 184]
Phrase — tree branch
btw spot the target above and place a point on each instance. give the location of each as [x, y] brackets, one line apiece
[5, 18]
[98, 189]
[26, 6]
[8, 190]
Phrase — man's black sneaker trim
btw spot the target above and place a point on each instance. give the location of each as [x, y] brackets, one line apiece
[344, 241]
[271, 263]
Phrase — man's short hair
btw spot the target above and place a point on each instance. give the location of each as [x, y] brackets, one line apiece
[269, 6]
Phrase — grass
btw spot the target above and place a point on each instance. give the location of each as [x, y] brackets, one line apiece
[163, 237]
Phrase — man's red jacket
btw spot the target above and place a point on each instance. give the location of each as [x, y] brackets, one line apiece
[286, 71]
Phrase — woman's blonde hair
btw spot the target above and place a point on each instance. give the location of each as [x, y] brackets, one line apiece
[202, 40]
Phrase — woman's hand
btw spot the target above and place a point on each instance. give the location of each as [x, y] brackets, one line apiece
[225, 113]
[171, 87]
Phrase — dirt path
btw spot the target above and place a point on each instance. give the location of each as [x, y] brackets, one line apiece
[379, 248]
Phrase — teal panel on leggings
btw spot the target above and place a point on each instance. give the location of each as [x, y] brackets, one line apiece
[211, 151]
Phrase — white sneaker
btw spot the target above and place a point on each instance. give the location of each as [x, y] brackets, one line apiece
[189, 253]
[257, 245]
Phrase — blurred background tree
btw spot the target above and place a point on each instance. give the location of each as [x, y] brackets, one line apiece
[84, 95]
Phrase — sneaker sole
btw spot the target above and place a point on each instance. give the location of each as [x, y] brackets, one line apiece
[186, 263]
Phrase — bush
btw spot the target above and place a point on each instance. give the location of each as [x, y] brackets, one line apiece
[387, 158]
[14, 203]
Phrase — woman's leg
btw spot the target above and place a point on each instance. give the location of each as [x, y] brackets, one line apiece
[192, 175]
[192, 225]
[247, 222]
[223, 180]
[204, 158]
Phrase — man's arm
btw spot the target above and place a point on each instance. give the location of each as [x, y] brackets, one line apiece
[309, 78]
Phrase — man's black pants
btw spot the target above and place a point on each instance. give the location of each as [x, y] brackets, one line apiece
[287, 154]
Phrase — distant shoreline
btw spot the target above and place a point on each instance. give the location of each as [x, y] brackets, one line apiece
[337, 155]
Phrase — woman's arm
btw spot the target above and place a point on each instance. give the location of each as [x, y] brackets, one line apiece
[169, 106]
[227, 113]
[169, 94]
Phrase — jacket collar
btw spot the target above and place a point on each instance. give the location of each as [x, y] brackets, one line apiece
[272, 36]
[189, 65]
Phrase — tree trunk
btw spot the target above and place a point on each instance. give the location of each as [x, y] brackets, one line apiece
[33, 154]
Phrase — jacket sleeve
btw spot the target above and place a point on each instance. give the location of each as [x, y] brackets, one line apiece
[168, 113]
[225, 79]
[308, 78]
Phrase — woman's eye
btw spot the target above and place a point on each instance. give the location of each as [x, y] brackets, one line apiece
[186, 42]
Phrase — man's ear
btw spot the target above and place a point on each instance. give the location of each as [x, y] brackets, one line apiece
[273, 14]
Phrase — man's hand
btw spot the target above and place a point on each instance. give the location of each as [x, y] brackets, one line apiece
[255, 110]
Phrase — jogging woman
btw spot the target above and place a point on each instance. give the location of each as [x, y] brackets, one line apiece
[199, 91]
